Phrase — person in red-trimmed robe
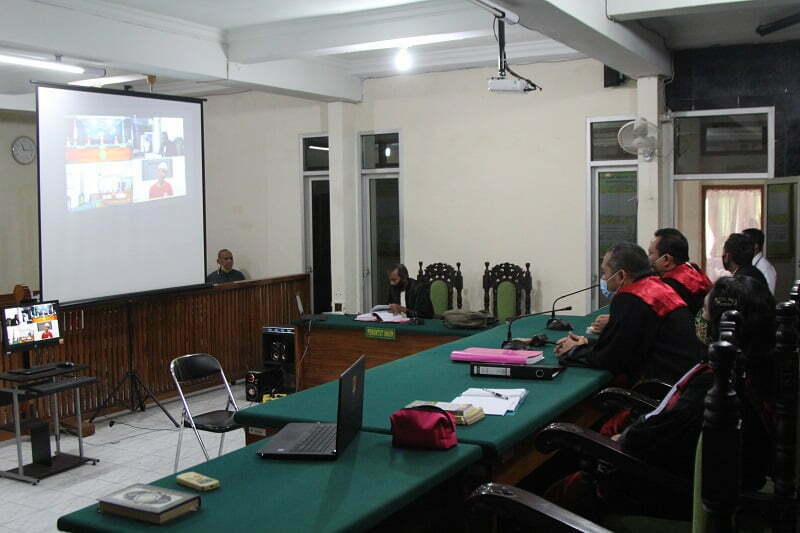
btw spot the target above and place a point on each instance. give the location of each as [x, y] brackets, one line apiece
[669, 255]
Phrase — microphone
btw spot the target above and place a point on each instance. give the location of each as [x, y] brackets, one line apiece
[510, 344]
[559, 324]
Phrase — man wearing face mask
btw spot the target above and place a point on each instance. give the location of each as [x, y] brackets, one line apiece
[669, 254]
[650, 333]
[737, 258]
[408, 295]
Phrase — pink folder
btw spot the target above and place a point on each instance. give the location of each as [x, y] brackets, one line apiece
[496, 355]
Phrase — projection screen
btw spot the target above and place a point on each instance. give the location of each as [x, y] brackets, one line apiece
[121, 200]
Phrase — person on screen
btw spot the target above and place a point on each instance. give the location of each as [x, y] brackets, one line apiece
[161, 188]
[225, 273]
[46, 333]
[408, 295]
[167, 148]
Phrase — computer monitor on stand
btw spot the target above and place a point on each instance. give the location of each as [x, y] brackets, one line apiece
[29, 326]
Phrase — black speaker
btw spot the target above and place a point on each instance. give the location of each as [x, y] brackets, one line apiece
[257, 383]
[278, 349]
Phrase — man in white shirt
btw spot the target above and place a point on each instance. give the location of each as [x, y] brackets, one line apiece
[759, 261]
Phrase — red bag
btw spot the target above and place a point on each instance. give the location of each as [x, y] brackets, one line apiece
[424, 426]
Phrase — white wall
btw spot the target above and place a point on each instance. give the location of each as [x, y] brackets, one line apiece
[19, 238]
[493, 177]
[254, 195]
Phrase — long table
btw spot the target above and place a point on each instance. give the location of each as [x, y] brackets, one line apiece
[431, 375]
[369, 482]
[333, 344]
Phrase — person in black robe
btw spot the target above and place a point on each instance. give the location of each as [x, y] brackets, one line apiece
[650, 332]
[668, 436]
[737, 257]
[669, 255]
[408, 295]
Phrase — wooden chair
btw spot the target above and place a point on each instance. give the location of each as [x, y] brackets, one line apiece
[509, 286]
[443, 280]
[716, 472]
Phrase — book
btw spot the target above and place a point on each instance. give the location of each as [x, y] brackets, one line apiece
[497, 355]
[149, 503]
[493, 401]
[465, 414]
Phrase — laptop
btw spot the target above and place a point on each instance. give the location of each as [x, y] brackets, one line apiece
[303, 315]
[316, 440]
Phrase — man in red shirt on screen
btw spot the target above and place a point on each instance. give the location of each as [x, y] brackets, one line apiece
[161, 188]
[46, 333]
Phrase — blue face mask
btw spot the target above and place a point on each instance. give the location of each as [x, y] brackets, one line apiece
[604, 286]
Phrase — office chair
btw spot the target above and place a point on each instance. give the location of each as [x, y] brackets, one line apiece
[193, 367]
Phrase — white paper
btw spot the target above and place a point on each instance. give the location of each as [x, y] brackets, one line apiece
[493, 405]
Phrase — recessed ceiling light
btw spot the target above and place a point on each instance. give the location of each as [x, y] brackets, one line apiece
[403, 60]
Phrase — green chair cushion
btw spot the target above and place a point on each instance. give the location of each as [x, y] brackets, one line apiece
[439, 292]
[506, 300]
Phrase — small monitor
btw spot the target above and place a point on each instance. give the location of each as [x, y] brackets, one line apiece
[30, 325]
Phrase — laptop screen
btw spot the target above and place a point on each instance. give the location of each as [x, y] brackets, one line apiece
[351, 404]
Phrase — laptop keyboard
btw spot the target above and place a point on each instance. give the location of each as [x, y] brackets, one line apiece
[321, 438]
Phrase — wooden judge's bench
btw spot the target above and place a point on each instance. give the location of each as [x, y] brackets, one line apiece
[150, 330]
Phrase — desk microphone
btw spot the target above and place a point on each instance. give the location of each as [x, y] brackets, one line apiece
[559, 324]
[510, 344]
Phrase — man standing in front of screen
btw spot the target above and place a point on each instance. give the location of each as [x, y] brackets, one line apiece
[161, 188]
[225, 273]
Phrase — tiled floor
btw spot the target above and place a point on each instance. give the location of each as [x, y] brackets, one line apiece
[127, 455]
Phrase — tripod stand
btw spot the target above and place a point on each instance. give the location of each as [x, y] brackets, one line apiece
[139, 391]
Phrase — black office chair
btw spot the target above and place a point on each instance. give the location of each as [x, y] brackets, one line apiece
[190, 368]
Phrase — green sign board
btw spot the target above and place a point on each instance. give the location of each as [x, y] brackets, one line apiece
[380, 333]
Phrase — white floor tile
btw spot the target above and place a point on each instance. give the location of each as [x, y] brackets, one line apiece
[127, 455]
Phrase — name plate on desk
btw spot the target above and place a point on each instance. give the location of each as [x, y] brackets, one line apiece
[373, 332]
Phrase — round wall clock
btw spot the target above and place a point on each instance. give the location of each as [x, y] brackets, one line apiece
[23, 150]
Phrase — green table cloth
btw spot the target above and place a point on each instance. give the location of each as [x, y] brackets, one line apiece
[369, 482]
[431, 326]
[431, 375]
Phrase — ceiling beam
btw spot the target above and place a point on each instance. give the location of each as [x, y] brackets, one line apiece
[297, 77]
[623, 10]
[408, 25]
[583, 25]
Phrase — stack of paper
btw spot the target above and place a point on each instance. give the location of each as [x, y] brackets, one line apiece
[381, 313]
[493, 401]
[465, 414]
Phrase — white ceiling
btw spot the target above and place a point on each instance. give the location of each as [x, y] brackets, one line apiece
[229, 14]
[324, 48]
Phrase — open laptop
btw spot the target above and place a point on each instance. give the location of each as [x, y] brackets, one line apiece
[315, 440]
[303, 315]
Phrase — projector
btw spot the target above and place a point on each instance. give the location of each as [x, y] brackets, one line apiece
[507, 85]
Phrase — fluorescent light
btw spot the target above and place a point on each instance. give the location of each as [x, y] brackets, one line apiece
[323, 148]
[403, 60]
[38, 63]
[111, 80]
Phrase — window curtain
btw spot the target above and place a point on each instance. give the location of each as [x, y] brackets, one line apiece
[727, 211]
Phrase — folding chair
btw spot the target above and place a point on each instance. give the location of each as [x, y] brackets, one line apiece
[193, 367]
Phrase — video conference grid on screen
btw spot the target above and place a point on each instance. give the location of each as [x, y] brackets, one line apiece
[121, 197]
[119, 160]
[31, 323]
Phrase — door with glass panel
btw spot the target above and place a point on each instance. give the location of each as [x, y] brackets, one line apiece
[381, 213]
[782, 229]
[727, 209]
[614, 199]
[317, 221]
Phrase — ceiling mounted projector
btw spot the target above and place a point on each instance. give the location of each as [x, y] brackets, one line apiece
[508, 85]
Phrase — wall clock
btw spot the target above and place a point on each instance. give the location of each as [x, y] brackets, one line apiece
[23, 150]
